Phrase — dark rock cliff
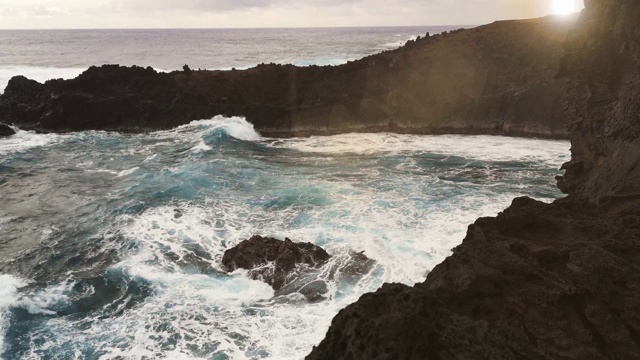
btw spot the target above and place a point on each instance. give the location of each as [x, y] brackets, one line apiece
[604, 105]
[494, 79]
[539, 281]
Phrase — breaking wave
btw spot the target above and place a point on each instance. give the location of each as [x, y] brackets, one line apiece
[118, 239]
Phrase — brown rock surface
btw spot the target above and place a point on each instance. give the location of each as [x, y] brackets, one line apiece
[272, 260]
[494, 79]
[539, 281]
[604, 105]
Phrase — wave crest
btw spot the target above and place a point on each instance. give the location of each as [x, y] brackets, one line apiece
[236, 127]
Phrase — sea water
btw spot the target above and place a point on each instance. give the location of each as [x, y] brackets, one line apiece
[46, 54]
[111, 244]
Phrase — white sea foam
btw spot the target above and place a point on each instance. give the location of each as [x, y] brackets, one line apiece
[9, 286]
[405, 241]
[476, 147]
[42, 301]
[150, 158]
[103, 171]
[379, 193]
[237, 127]
[128, 171]
[26, 140]
[201, 146]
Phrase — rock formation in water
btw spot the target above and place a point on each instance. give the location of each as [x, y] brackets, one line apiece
[295, 267]
[272, 260]
[494, 79]
[539, 281]
[5, 130]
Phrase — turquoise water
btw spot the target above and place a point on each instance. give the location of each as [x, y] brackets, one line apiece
[112, 244]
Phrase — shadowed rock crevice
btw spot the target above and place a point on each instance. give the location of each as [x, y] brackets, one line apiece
[5, 130]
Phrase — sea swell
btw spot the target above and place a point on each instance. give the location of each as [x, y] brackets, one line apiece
[119, 238]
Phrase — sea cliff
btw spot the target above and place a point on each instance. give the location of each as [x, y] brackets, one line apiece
[539, 281]
[493, 79]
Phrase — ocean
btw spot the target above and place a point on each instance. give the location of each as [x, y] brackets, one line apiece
[46, 54]
[112, 243]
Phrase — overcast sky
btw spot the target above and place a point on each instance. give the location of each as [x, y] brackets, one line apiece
[66, 14]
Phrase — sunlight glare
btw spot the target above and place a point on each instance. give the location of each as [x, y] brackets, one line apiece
[564, 7]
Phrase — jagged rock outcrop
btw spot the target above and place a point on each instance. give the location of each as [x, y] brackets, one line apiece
[295, 267]
[272, 260]
[494, 79]
[540, 281]
[5, 130]
[605, 102]
[537, 282]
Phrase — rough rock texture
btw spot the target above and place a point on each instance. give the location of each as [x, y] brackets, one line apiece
[540, 281]
[604, 101]
[494, 79]
[537, 282]
[5, 130]
[257, 254]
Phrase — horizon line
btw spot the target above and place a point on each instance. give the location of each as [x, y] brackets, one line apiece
[243, 28]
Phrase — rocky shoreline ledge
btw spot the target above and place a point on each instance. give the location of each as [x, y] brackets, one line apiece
[539, 281]
[494, 79]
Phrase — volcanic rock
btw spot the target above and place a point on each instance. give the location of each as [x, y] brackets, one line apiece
[272, 260]
[5, 130]
[539, 281]
[496, 79]
[601, 62]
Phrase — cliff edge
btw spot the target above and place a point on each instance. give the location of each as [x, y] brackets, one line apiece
[539, 281]
[494, 79]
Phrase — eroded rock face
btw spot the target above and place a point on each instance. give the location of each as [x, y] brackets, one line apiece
[5, 130]
[272, 260]
[495, 79]
[604, 104]
[540, 281]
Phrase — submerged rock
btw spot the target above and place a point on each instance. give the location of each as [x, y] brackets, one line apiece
[295, 267]
[5, 130]
[358, 264]
[343, 268]
[272, 260]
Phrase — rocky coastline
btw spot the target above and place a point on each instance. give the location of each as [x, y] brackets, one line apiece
[493, 79]
[539, 281]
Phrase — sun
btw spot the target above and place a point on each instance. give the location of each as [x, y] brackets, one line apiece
[564, 7]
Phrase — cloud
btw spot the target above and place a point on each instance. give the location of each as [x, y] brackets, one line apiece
[261, 13]
[205, 6]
